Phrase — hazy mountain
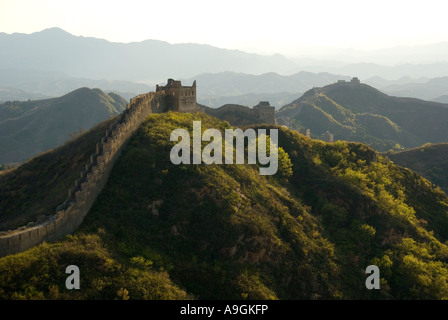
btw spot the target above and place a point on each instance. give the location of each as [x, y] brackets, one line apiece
[414, 54]
[18, 84]
[217, 89]
[59, 53]
[276, 100]
[213, 90]
[429, 160]
[14, 94]
[31, 127]
[149, 60]
[225, 232]
[380, 83]
[231, 83]
[428, 90]
[358, 112]
[365, 70]
[441, 99]
[427, 60]
[53, 62]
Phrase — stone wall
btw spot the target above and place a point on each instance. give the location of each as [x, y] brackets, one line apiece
[70, 214]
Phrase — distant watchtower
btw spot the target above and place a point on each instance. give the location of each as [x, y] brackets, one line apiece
[178, 97]
[265, 112]
[355, 80]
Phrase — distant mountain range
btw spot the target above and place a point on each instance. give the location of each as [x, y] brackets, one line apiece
[31, 127]
[431, 89]
[442, 99]
[335, 56]
[20, 85]
[214, 89]
[153, 60]
[277, 100]
[53, 62]
[148, 61]
[217, 89]
[359, 112]
[367, 70]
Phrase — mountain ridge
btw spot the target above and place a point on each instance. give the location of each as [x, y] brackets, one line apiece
[150, 60]
[31, 127]
[54, 84]
[350, 109]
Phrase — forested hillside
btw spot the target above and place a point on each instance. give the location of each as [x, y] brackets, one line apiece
[165, 231]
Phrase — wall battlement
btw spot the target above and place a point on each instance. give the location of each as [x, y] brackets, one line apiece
[353, 81]
[70, 214]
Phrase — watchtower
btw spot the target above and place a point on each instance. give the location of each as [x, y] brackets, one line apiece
[178, 97]
[265, 112]
[355, 81]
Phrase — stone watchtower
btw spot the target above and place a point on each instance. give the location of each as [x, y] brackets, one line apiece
[355, 81]
[178, 97]
[265, 112]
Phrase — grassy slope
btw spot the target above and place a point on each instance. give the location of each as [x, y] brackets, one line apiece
[39, 185]
[225, 232]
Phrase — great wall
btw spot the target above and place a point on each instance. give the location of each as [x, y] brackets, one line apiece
[70, 214]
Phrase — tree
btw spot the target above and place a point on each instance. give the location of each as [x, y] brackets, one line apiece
[284, 164]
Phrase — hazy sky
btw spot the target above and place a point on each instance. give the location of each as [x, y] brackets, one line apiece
[250, 25]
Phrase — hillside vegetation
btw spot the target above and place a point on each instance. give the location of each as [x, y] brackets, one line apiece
[429, 160]
[31, 127]
[161, 231]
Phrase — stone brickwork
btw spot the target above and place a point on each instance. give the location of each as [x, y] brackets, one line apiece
[70, 214]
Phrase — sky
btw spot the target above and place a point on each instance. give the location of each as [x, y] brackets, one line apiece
[259, 26]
